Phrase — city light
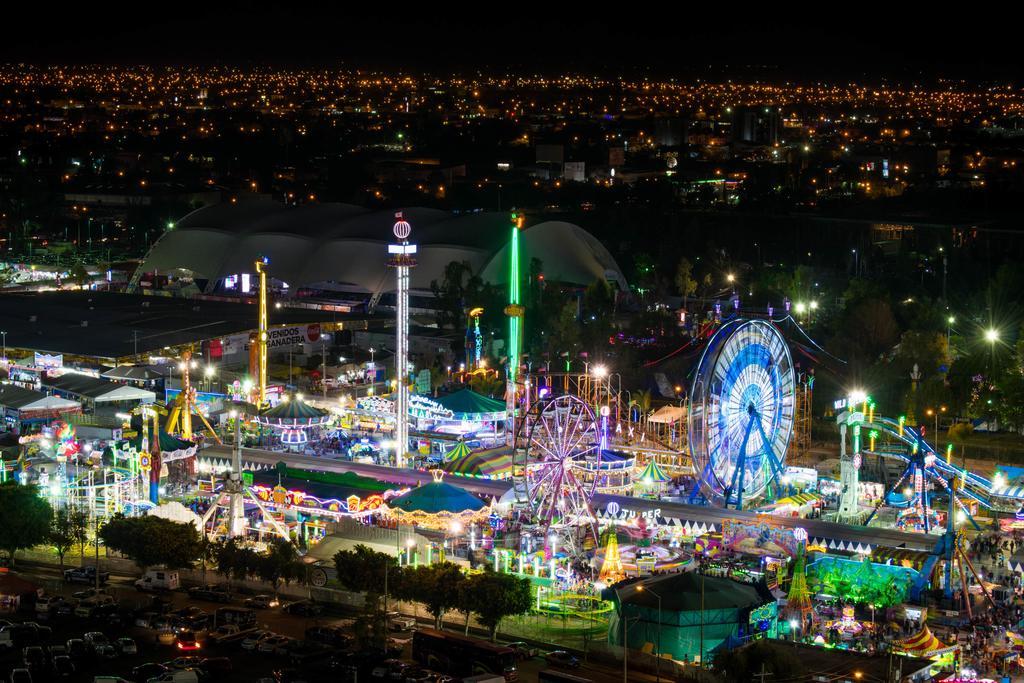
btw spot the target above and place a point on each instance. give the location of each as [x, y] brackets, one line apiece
[991, 335]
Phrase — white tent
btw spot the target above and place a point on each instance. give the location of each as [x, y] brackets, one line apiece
[668, 415]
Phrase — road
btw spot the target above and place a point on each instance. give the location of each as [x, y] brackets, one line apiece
[816, 528]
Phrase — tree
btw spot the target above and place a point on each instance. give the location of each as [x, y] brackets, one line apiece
[642, 402]
[370, 627]
[235, 561]
[438, 587]
[24, 517]
[67, 527]
[564, 332]
[151, 541]
[362, 569]
[685, 282]
[280, 563]
[493, 596]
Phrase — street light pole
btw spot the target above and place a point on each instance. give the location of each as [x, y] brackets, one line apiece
[640, 588]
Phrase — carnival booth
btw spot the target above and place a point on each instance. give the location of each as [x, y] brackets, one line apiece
[686, 612]
[23, 410]
[16, 593]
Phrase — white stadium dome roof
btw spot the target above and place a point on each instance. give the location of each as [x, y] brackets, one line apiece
[347, 244]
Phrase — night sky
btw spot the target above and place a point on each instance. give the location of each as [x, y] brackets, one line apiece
[776, 41]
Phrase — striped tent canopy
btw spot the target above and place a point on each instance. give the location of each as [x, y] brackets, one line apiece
[461, 450]
[495, 463]
[1014, 490]
[923, 644]
[171, 447]
[293, 413]
[914, 559]
[653, 474]
[799, 499]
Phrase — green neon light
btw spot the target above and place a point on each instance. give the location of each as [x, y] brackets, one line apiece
[514, 320]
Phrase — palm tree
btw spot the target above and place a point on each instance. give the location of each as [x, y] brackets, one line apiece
[642, 403]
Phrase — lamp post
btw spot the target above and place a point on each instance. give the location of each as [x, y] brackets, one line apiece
[991, 336]
[640, 589]
[5, 345]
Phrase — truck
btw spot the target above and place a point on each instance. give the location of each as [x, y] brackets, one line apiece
[86, 575]
[158, 580]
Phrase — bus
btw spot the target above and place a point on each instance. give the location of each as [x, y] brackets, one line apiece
[460, 655]
[553, 676]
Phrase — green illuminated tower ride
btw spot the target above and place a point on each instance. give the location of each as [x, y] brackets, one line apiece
[514, 311]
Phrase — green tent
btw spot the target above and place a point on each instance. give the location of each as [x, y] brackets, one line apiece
[435, 498]
[294, 412]
[653, 474]
[171, 447]
[689, 605]
[460, 451]
[469, 405]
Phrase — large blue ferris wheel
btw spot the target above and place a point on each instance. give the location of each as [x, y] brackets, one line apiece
[741, 412]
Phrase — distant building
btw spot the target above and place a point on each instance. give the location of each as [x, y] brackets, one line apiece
[755, 126]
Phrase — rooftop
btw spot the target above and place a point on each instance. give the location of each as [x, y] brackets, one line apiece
[108, 325]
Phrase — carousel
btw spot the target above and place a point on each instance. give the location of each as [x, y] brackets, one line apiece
[293, 421]
[438, 505]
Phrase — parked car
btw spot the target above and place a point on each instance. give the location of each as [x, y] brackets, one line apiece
[86, 575]
[262, 602]
[210, 592]
[253, 641]
[184, 662]
[88, 593]
[48, 603]
[303, 608]
[127, 646]
[143, 672]
[63, 668]
[562, 658]
[401, 623]
[176, 676]
[77, 649]
[328, 635]
[271, 644]
[94, 638]
[186, 641]
[34, 657]
[21, 676]
[216, 666]
[523, 650]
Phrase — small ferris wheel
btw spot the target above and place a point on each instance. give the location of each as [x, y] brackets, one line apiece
[555, 440]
